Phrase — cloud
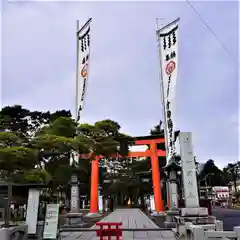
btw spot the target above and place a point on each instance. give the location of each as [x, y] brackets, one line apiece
[39, 62]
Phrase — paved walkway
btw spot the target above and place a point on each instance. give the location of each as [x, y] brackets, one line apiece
[130, 218]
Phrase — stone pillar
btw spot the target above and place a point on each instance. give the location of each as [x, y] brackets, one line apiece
[192, 211]
[172, 169]
[188, 171]
[75, 200]
[173, 190]
[74, 183]
[168, 195]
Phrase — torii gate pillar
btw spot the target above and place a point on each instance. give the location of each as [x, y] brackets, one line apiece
[156, 178]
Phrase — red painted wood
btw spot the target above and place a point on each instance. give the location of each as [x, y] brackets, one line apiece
[109, 231]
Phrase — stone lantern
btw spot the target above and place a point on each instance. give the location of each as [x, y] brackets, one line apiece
[172, 169]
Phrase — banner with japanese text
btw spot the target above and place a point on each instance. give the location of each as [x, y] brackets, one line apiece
[83, 55]
[169, 53]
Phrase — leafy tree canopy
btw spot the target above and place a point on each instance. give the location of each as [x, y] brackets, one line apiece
[37, 146]
[157, 129]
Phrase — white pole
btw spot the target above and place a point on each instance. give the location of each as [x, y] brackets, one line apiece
[172, 191]
[77, 70]
[162, 93]
[74, 179]
[163, 109]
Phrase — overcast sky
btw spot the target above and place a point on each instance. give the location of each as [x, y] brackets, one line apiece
[39, 65]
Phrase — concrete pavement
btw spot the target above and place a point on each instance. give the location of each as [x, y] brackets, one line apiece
[131, 219]
[230, 217]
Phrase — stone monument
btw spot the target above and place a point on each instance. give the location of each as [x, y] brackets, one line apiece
[192, 212]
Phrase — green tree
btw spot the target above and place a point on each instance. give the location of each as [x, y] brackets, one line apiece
[21, 149]
[25, 122]
[157, 129]
[35, 175]
[15, 159]
[14, 156]
[9, 139]
[211, 175]
[104, 138]
[55, 143]
[37, 146]
[14, 119]
[232, 173]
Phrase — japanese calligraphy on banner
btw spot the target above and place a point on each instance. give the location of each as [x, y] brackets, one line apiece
[168, 47]
[83, 55]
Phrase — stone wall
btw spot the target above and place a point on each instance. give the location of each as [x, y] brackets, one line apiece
[16, 233]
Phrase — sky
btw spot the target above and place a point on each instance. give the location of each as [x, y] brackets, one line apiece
[39, 66]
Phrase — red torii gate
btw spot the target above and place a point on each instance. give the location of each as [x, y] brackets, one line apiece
[153, 153]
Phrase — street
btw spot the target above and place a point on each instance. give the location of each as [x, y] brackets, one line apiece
[230, 217]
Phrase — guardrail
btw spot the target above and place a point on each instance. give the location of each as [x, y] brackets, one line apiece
[193, 232]
[199, 233]
[71, 229]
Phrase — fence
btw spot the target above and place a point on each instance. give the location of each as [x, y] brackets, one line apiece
[135, 233]
[192, 232]
[187, 231]
[196, 232]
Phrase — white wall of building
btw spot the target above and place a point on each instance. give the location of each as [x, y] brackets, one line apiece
[220, 192]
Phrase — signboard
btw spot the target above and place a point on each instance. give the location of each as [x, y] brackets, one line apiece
[100, 200]
[138, 148]
[51, 221]
[32, 210]
[152, 204]
[74, 198]
[220, 189]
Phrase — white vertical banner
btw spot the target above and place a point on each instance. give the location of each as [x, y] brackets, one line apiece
[32, 210]
[83, 56]
[168, 51]
[51, 222]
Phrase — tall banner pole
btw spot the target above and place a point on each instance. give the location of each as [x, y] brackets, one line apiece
[83, 55]
[162, 93]
[168, 58]
[167, 38]
[77, 72]
[163, 107]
